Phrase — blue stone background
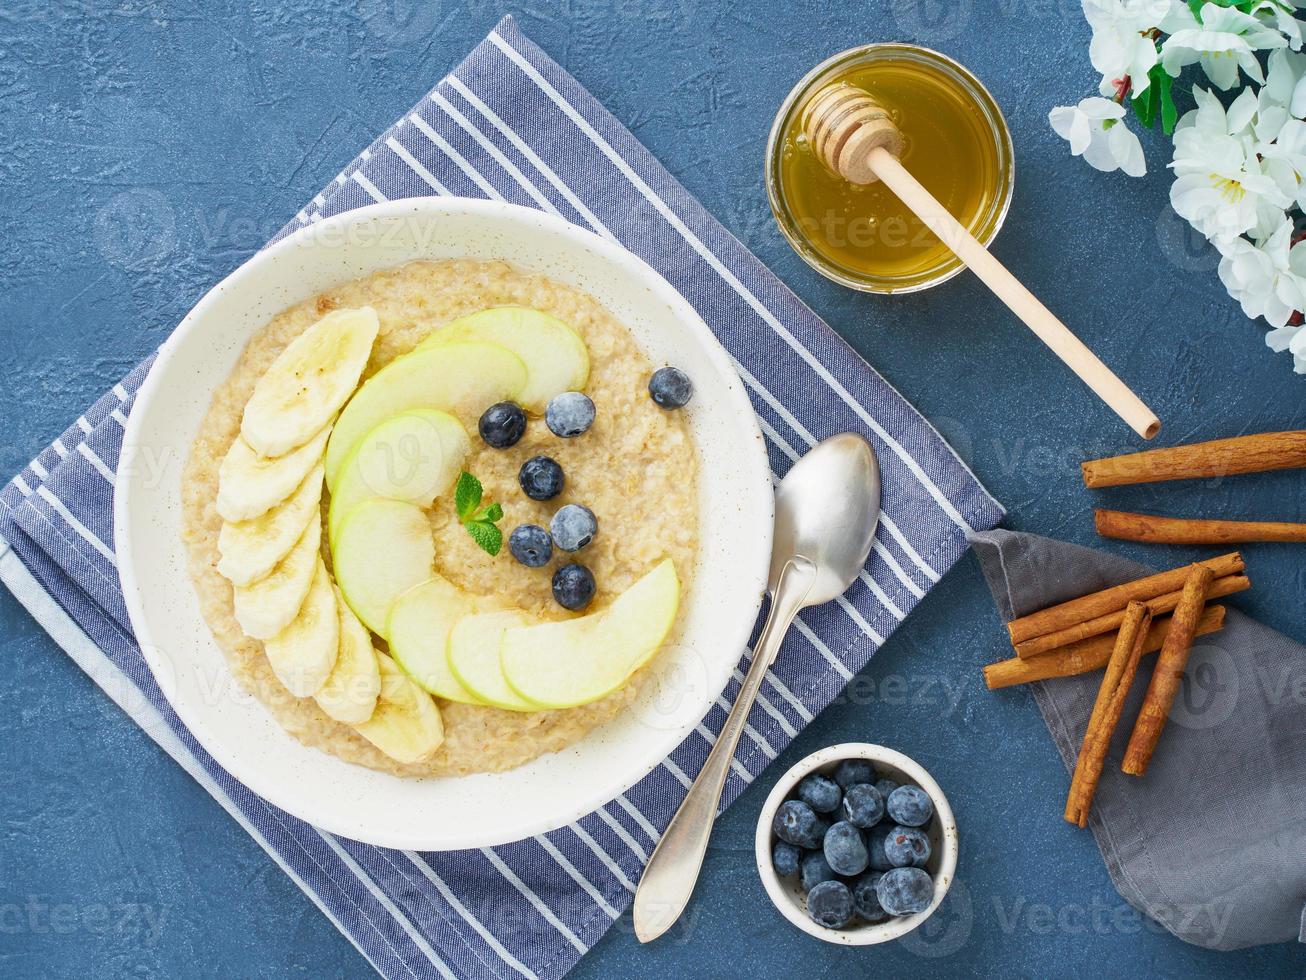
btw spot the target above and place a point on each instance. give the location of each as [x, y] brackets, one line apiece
[149, 146]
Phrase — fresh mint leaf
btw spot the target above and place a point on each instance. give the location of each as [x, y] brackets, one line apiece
[488, 536]
[467, 495]
[478, 520]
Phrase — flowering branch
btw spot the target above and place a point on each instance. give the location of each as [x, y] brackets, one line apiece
[1240, 170]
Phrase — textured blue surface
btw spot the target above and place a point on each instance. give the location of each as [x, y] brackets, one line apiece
[150, 147]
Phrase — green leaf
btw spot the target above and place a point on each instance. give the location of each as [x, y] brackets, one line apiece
[467, 495]
[1146, 105]
[491, 513]
[488, 536]
[1169, 114]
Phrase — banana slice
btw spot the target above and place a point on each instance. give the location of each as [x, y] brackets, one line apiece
[251, 549]
[250, 485]
[350, 693]
[267, 606]
[305, 387]
[406, 724]
[303, 654]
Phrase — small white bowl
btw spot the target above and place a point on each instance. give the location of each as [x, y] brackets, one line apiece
[787, 894]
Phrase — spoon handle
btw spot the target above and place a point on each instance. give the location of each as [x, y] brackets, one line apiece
[668, 880]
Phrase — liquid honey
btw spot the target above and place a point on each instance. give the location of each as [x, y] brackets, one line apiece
[863, 233]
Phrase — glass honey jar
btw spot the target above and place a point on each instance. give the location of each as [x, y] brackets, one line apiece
[956, 143]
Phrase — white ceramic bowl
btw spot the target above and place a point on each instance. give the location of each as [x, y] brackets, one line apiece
[735, 519]
[787, 894]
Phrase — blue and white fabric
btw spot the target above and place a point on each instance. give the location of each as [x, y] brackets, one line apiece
[510, 124]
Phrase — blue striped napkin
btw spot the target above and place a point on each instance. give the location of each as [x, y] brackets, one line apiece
[510, 124]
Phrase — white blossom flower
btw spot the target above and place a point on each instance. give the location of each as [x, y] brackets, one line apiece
[1279, 139]
[1293, 340]
[1283, 15]
[1122, 45]
[1224, 41]
[1268, 278]
[1096, 130]
[1221, 186]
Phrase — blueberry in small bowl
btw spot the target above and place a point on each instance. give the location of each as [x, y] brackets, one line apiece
[907, 847]
[863, 806]
[820, 792]
[863, 875]
[785, 858]
[909, 806]
[797, 823]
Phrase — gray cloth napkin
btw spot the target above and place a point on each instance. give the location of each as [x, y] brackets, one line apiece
[1211, 842]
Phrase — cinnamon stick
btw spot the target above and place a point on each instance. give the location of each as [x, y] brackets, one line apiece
[1114, 599]
[1110, 622]
[1154, 529]
[1086, 655]
[1120, 670]
[1168, 674]
[1219, 457]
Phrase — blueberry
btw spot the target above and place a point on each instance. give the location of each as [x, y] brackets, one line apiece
[863, 806]
[670, 387]
[907, 847]
[569, 414]
[820, 793]
[541, 478]
[784, 858]
[910, 806]
[830, 904]
[531, 545]
[815, 869]
[903, 891]
[865, 900]
[573, 527]
[502, 425]
[573, 587]
[845, 849]
[886, 786]
[875, 838]
[852, 771]
[796, 823]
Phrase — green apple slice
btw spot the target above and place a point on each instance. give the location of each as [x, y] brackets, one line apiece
[303, 654]
[576, 661]
[463, 379]
[555, 357]
[383, 549]
[250, 485]
[474, 646]
[249, 550]
[420, 623]
[414, 456]
[406, 724]
[308, 383]
[350, 693]
[266, 607]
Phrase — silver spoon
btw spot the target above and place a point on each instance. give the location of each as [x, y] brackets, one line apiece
[826, 510]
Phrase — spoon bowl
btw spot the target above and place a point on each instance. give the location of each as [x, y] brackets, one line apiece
[826, 510]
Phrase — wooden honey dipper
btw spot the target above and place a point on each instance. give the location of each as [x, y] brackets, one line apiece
[856, 138]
